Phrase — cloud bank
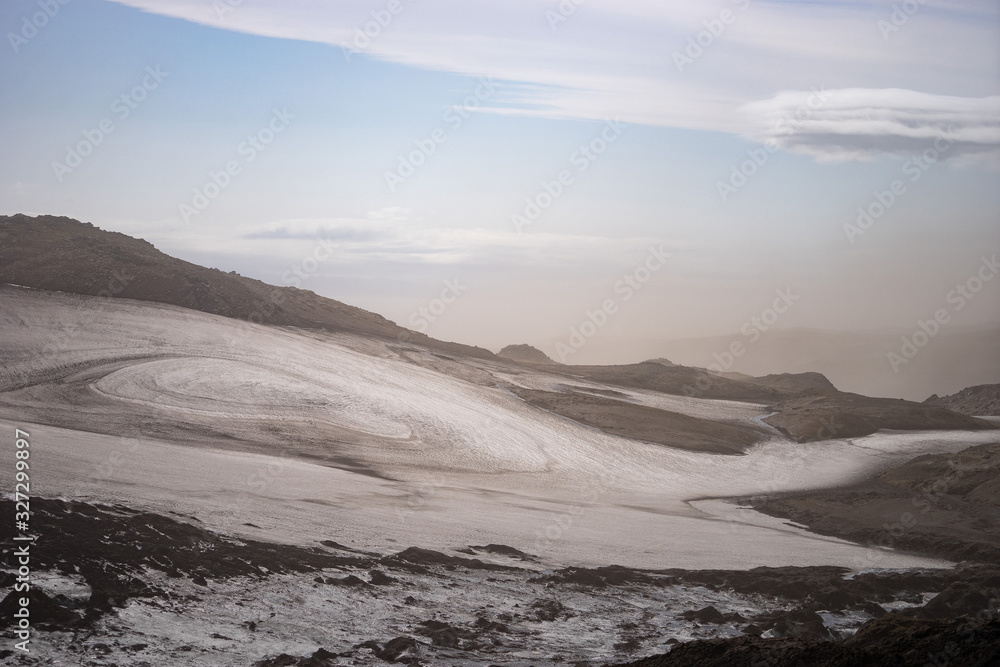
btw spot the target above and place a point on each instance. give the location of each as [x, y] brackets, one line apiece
[858, 123]
[619, 58]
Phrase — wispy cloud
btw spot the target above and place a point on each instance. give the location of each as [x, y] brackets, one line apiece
[398, 241]
[858, 123]
[613, 58]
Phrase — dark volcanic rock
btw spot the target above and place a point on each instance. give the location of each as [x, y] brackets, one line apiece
[417, 561]
[379, 578]
[790, 583]
[484, 624]
[400, 649]
[548, 609]
[111, 547]
[962, 598]
[798, 623]
[711, 615]
[610, 575]
[44, 611]
[330, 544]
[503, 550]
[283, 660]
[349, 580]
[832, 598]
[446, 635]
[321, 658]
[891, 641]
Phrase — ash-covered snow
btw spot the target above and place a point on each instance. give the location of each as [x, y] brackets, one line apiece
[448, 461]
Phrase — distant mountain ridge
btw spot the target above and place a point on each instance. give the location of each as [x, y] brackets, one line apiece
[982, 400]
[961, 356]
[525, 354]
[811, 416]
[699, 382]
[794, 382]
[59, 253]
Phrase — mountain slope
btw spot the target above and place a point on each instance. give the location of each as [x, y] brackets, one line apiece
[962, 356]
[808, 417]
[59, 253]
[679, 380]
[524, 354]
[794, 382]
[983, 400]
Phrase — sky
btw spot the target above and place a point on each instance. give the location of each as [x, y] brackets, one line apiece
[576, 175]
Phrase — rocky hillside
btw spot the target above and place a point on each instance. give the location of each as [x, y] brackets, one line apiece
[59, 253]
[679, 380]
[822, 415]
[981, 400]
[524, 354]
[950, 504]
[794, 382]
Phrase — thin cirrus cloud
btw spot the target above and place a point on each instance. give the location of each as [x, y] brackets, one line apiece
[857, 123]
[617, 59]
[379, 238]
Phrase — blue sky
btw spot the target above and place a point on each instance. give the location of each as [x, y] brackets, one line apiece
[888, 87]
